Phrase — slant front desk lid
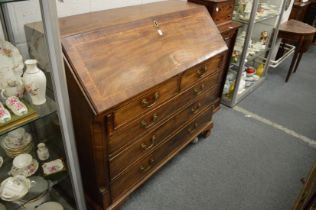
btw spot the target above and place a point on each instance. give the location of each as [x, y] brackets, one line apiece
[116, 62]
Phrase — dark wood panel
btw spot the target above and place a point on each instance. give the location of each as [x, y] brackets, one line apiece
[141, 168]
[123, 138]
[150, 141]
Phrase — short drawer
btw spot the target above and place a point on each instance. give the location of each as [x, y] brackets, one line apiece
[148, 101]
[150, 141]
[222, 12]
[150, 163]
[124, 136]
[200, 71]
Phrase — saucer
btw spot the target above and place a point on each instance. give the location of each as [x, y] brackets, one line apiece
[14, 188]
[12, 143]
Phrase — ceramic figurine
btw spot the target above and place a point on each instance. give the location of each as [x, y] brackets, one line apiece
[5, 115]
[35, 82]
[264, 37]
[42, 151]
[235, 56]
[16, 106]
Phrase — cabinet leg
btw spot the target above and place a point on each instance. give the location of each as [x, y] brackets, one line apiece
[207, 131]
[196, 140]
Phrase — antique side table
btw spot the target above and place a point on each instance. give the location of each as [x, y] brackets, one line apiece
[301, 35]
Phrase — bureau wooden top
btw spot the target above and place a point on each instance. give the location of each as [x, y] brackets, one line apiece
[94, 20]
[119, 61]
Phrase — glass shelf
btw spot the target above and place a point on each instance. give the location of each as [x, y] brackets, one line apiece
[257, 20]
[227, 98]
[41, 112]
[258, 54]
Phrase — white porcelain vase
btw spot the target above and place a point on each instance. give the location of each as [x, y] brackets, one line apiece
[34, 82]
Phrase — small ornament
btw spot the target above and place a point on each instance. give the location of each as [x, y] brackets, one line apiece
[264, 37]
[235, 56]
[42, 151]
[53, 167]
[16, 106]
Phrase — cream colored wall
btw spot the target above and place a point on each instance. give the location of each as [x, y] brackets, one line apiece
[28, 11]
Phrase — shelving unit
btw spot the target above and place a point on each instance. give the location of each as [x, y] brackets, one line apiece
[256, 17]
[49, 123]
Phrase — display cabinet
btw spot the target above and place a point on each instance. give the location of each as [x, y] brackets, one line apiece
[260, 20]
[39, 167]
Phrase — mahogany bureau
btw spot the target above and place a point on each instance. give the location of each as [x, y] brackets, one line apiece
[142, 81]
[222, 13]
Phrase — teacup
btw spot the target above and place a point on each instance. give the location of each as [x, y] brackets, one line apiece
[24, 165]
[22, 161]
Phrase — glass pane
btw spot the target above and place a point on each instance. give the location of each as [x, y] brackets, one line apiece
[252, 47]
[34, 165]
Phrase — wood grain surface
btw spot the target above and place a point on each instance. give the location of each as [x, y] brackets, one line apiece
[116, 63]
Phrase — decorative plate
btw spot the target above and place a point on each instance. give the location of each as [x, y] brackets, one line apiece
[10, 142]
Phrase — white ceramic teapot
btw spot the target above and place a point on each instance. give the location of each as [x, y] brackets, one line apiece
[11, 69]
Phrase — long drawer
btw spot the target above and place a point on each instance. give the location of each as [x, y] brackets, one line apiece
[150, 100]
[150, 141]
[122, 137]
[138, 171]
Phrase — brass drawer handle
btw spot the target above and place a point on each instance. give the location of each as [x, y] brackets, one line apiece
[148, 104]
[196, 108]
[146, 125]
[201, 71]
[147, 147]
[198, 91]
[144, 169]
[193, 128]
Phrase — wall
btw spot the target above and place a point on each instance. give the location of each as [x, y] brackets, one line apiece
[29, 11]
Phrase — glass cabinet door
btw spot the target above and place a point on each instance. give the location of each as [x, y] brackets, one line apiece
[252, 50]
[39, 168]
